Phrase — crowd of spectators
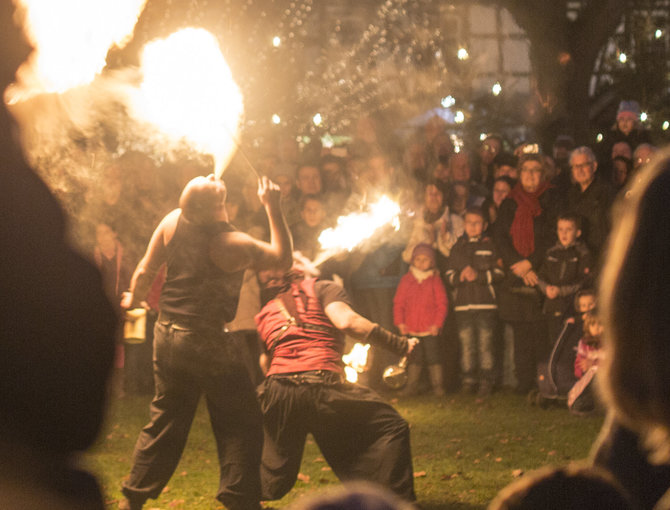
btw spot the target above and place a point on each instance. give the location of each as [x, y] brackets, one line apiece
[542, 215]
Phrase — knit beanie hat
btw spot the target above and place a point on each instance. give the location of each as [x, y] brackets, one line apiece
[424, 249]
[630, 109]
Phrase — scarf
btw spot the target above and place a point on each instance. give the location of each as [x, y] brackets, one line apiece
[528, 208]
[421, 275]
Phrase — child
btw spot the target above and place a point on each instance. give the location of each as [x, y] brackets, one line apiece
[589, 352]
[419, 309]
[565, 270]
[312, 222]
[474, 267]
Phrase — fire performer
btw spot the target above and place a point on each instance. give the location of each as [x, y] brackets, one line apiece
[362, 437]
[206, 259]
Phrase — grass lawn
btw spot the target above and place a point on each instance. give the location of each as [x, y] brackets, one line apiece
[465, 450]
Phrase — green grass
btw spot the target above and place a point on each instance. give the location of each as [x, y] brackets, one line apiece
[465, 450]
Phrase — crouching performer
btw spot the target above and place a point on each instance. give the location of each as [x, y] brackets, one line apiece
[303, 325]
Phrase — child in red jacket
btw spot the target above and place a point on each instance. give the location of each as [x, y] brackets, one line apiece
[419, 310]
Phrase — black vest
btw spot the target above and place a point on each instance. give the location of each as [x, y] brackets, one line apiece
[194, 286]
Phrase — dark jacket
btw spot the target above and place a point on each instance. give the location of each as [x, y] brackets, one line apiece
[593, 207]
[517, 301]
[569, 269]
[481, 254]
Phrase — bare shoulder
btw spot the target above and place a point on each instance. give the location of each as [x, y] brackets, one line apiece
[233, 251]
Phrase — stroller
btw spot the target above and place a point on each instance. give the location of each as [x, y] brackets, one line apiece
[556, 376]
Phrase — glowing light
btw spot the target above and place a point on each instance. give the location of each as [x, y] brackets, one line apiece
[355, 362]
[276, 41]
[658, 34]
[463, 54]
[599, 137]
[71, 40]
[457, 142]
[188, 92]
[643, 117]
[496, 89]
[276, 119]
[623, 57]
[482, 137]
[459, 118]
[317, 119]
[353, 229]
[448, 101]
[666, 125]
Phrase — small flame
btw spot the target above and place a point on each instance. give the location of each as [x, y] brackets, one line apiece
[189, 93]
[71, 40]
[355, 362]
[355, 228]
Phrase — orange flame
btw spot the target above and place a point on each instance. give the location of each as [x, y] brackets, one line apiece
[355, 362]
[71, 40]
[188, 92]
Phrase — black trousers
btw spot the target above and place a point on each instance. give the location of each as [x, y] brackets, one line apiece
[187, 364]
[361, 436]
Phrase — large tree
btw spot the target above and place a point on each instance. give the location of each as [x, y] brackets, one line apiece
[565, 40]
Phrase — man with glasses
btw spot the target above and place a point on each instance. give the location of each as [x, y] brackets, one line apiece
[590, 197]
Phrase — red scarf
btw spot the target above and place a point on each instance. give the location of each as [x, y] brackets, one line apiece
[527, 209]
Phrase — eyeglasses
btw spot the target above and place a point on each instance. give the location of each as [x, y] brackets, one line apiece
[583, 165]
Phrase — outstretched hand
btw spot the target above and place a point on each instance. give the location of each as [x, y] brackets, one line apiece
[411, 343]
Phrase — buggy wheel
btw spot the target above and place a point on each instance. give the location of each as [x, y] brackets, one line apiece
[532, 397]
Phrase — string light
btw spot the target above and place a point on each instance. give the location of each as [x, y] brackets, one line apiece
[317, 119]
[658, 34]
[448, 101]
[599, 137]
[463, 54]
[276, 41]
[496, 89]
[276, 119]
[643, 117]
[459, 118]
[623, 57]
[666, 125]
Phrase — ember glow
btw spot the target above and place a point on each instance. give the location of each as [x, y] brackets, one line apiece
[353, 229]
[189, 94]
[71, 40]
[355, 362]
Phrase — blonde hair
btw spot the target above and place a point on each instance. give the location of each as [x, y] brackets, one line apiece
[636, 308]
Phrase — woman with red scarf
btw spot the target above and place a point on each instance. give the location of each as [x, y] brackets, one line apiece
[523, 232]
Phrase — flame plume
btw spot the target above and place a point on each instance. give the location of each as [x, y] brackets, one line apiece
[188, 92]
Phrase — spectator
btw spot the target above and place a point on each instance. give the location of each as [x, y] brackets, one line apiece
[419, 310]
[581, 398]
[574, 487]
[622, 168]
[434, 224]
[474, 267]
[634, 443]
[590, 197]
[312, 222]
[566, 269]
[523, 234]
[502, 186]
[642, 155]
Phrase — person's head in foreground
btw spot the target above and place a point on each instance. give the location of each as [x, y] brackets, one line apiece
[636, 308]
[571, 487]
[353, 496]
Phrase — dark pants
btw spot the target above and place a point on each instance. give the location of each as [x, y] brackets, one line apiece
[188, 363]
[361, 436]
[530, 347]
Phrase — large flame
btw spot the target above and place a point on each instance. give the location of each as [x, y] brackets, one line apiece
[356, 361]
[188, 92]
[71, 40]
[354, 228]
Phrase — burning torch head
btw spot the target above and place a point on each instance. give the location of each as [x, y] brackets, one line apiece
[203, 200]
